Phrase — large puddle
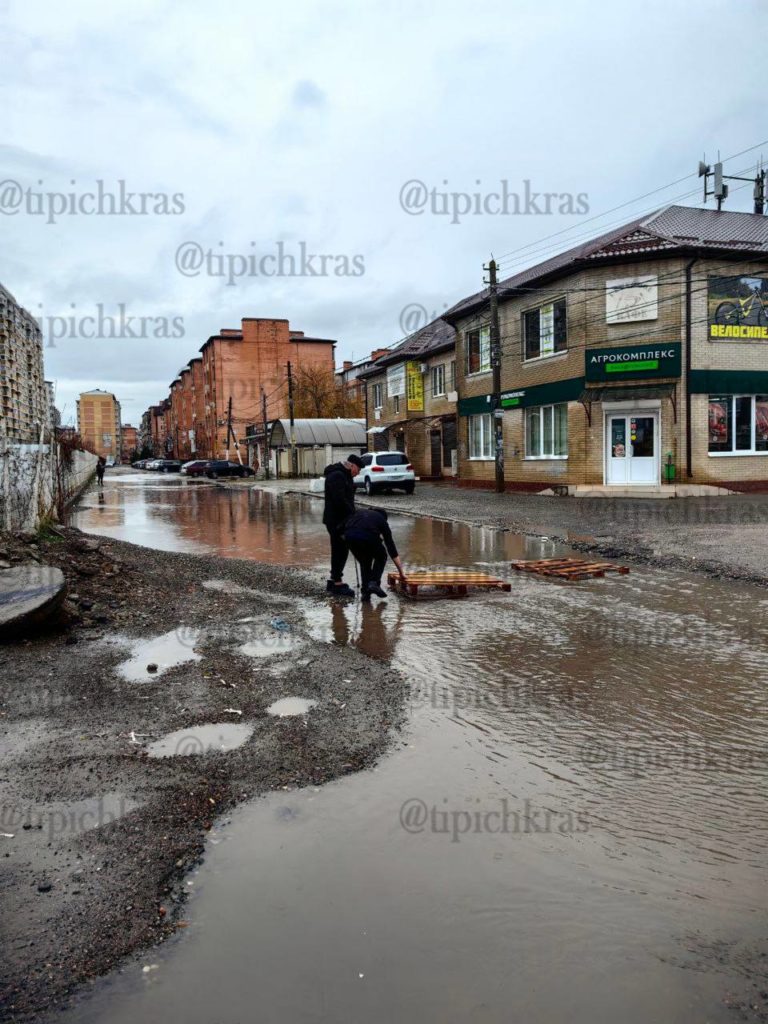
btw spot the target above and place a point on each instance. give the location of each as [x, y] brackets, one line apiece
[572, 827]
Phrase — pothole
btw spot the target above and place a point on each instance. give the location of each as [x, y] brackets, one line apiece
[288, 706]
[270, 644]
[202, 739]
[162, 652]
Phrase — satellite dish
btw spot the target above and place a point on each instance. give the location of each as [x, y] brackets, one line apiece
[703, 169]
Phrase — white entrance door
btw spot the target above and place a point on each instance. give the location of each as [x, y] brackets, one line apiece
[632, 455]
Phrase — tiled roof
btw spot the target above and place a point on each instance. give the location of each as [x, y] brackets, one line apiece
[668, 230]
[435, 337]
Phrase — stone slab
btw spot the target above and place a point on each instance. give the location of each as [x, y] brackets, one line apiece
[29, 594]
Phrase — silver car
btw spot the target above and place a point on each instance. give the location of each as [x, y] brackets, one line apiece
[386, 471]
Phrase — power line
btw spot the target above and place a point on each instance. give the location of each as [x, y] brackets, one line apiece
[630, 202]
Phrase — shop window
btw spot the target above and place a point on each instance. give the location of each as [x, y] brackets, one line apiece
[544, 330]
[478, 350]
[480, 436]
[738, 424]
[546, 432]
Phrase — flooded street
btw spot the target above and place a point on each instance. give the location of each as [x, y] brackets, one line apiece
[571, 827]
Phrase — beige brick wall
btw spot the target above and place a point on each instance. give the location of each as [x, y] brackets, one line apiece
[587, 328]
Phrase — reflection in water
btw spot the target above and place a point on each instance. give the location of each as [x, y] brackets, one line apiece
[636, 704]
[174, 514]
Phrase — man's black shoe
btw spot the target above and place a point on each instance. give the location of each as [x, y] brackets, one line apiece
[339, 590]
[375, 588]
[365, 595]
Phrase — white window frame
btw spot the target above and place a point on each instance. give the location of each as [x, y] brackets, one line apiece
[378, 392]
[541, 409]
[736, 453]
[438, 372]
[484, 337]
[487, 437]
[396, 404]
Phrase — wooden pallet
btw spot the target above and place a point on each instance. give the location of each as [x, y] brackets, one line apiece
[449, 584]
[569, 568]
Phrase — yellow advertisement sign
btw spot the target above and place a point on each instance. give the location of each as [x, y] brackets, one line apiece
[414, 387]
[738, 308]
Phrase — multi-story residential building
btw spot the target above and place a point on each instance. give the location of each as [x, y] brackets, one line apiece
[241, 366]
[224, 385]
[197, 436]
[24, 401]
[130, 442]
[145, 430]
[53, 419]
[636, 358]
[411, 400]
[98, 423]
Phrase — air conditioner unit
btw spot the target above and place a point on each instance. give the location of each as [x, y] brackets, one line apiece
[424, 368]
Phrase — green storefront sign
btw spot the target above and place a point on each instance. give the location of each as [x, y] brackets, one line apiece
[652, 359]
[525, 398]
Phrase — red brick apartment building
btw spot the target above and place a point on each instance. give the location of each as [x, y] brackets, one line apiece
[225, 383]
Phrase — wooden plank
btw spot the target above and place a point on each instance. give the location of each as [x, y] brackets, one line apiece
[568, 569]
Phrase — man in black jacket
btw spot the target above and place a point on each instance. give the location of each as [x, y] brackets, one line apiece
[339, 506]
[364, 532]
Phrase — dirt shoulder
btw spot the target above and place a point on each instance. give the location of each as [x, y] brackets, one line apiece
[725, 537]
[96, 835]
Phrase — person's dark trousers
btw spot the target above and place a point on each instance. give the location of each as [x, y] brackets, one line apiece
[372, 558]
[339, 554]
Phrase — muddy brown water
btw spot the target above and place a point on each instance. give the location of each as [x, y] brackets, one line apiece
[572, 827]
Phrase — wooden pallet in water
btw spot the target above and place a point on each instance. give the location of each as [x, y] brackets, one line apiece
[449, 584]
[569, 568]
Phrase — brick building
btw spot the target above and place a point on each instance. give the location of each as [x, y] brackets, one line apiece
[98, 423]
[239, 366]
[159, 428]
[350, 376]
[24, 399]
[130, 442]
[636, 358]
[411, 400]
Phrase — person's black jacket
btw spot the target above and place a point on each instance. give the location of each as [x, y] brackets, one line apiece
[339, 495]
[368, 525]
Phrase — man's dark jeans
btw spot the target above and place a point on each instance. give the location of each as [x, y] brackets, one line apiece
[339, 554]
[372, 557]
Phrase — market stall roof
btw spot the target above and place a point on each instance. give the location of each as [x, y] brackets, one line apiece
[337, 432]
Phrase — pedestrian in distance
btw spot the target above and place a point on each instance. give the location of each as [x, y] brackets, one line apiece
[370, 540]
[101, 465]
[339, 506]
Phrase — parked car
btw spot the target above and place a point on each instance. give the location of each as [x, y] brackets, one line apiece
[166, 465]
[220, 467]
[139, 464]
[196, 467]
[386, 471]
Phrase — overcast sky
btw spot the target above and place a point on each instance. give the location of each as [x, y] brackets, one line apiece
[300, 124]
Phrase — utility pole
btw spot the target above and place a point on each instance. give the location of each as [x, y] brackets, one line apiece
[294, 452]
[496, 410]
[231, 433]
[265, 446]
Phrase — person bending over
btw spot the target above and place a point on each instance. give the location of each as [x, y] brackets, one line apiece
[370, 540]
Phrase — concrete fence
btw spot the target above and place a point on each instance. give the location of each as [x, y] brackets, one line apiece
[38, 481]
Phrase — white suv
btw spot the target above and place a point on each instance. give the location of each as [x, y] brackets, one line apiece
[386, 471]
